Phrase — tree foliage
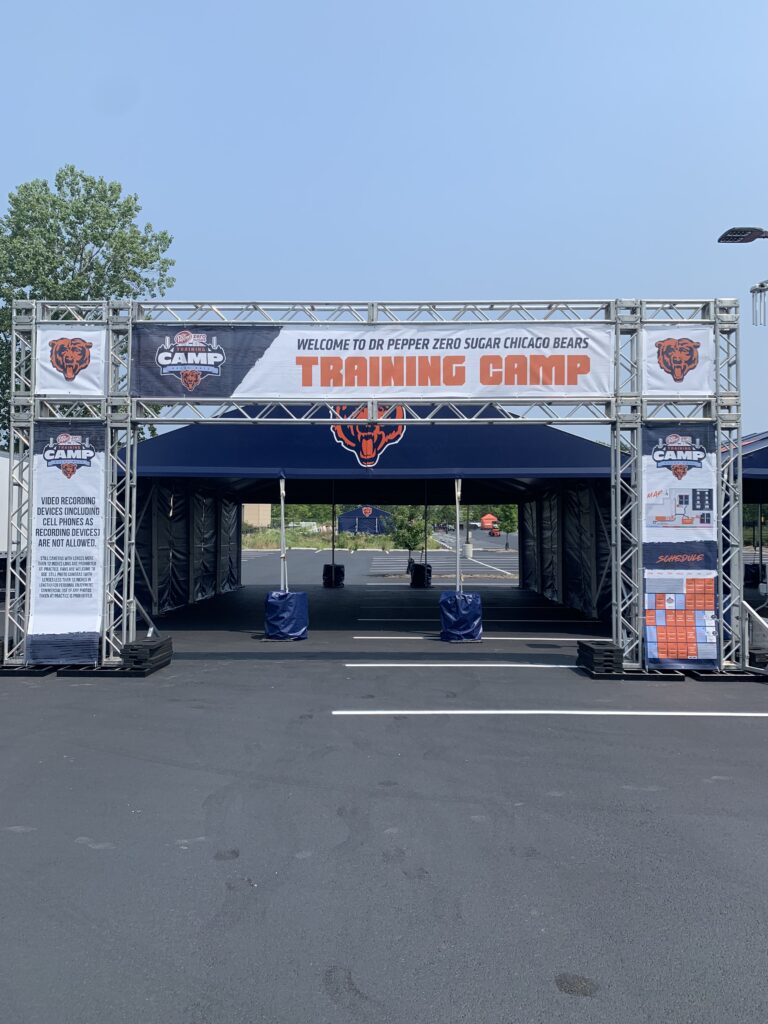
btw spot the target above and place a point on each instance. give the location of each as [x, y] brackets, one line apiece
[73, 240]
[507, 516]
[408, 522]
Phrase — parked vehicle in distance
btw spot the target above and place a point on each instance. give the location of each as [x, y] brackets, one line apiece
[494, 532]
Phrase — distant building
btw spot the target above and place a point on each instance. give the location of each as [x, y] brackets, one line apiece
[257, 515]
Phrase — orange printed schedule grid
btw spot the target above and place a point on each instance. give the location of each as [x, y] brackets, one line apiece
[680, 621]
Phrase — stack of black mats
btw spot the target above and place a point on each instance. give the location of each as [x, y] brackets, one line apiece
[147, 656]
[599, 659]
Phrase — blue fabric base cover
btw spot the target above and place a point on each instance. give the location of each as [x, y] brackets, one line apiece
[461, 617]
[286, 615]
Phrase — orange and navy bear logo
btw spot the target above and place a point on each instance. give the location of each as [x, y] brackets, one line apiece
[678, 356]
[367, 440]
[70, 355]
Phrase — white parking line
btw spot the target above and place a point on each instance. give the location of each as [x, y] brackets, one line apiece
[489, 636]
[454, 664]
[539, 711]
[432, 618]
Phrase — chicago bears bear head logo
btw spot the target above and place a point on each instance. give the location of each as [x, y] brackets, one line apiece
[678, 356]
[367, 440]
[70, 355]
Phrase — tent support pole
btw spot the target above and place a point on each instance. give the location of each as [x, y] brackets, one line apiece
[457, 497]
[283, 562]
[425, 522]
[333, 529]
[760, 528]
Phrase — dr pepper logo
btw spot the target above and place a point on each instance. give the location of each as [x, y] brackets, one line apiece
[190, 356]
[68, 452]
[367, 440]
[677, 357]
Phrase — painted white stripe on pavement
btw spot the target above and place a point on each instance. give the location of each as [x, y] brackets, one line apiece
[538, 711]
[489, 636]
[432, 618]
[453, 664]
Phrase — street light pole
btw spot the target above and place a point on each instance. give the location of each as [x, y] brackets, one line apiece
[759, 292]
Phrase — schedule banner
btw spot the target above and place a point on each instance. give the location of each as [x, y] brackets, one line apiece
[680, 558]
[67, 550]
[393, 362]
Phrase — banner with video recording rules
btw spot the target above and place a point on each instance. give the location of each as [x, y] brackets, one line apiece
[67, 547]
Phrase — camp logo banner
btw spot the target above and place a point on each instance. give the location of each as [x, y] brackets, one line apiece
[443, 361]
[679, 483]
[680, 555]
[678, 360]
[70, 360]
[67, 549]
[68, 452]
[190, 355]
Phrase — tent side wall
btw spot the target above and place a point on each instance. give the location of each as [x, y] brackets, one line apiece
[565, 547]
[188, 545]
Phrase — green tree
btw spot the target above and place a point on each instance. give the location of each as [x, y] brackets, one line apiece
[73, 240]
[408, 523]
[507, 515]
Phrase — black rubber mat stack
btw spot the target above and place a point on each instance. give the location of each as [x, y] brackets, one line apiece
[758, 655]
[600, 659]
[147, 656]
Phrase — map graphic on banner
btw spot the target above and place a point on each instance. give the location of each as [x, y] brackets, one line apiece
[70, 360]
[678, 360]
[67, 544]
[485, 361]
[679, 484]
[680, 559]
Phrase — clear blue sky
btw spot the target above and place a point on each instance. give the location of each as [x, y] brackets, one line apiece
[415, 149]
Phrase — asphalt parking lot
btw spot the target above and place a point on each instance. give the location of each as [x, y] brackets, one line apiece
[270, 832]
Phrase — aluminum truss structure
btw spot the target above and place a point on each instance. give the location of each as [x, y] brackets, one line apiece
[624, 412]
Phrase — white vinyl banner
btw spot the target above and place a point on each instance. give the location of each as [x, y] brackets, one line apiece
[678, 360]
[70, 361]
[67, 545]
[679, 484]
[429, 363]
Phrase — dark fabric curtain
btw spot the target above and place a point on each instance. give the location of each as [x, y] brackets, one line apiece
[230, 543]
[579, 550]
[549, 545]
[204, 545]
[529, 546]
[172, 551]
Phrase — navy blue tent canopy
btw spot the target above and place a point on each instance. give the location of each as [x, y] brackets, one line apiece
[754, 463]
[411, 464]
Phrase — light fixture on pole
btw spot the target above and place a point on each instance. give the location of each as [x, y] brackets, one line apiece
[759, 292]
[741, 235]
